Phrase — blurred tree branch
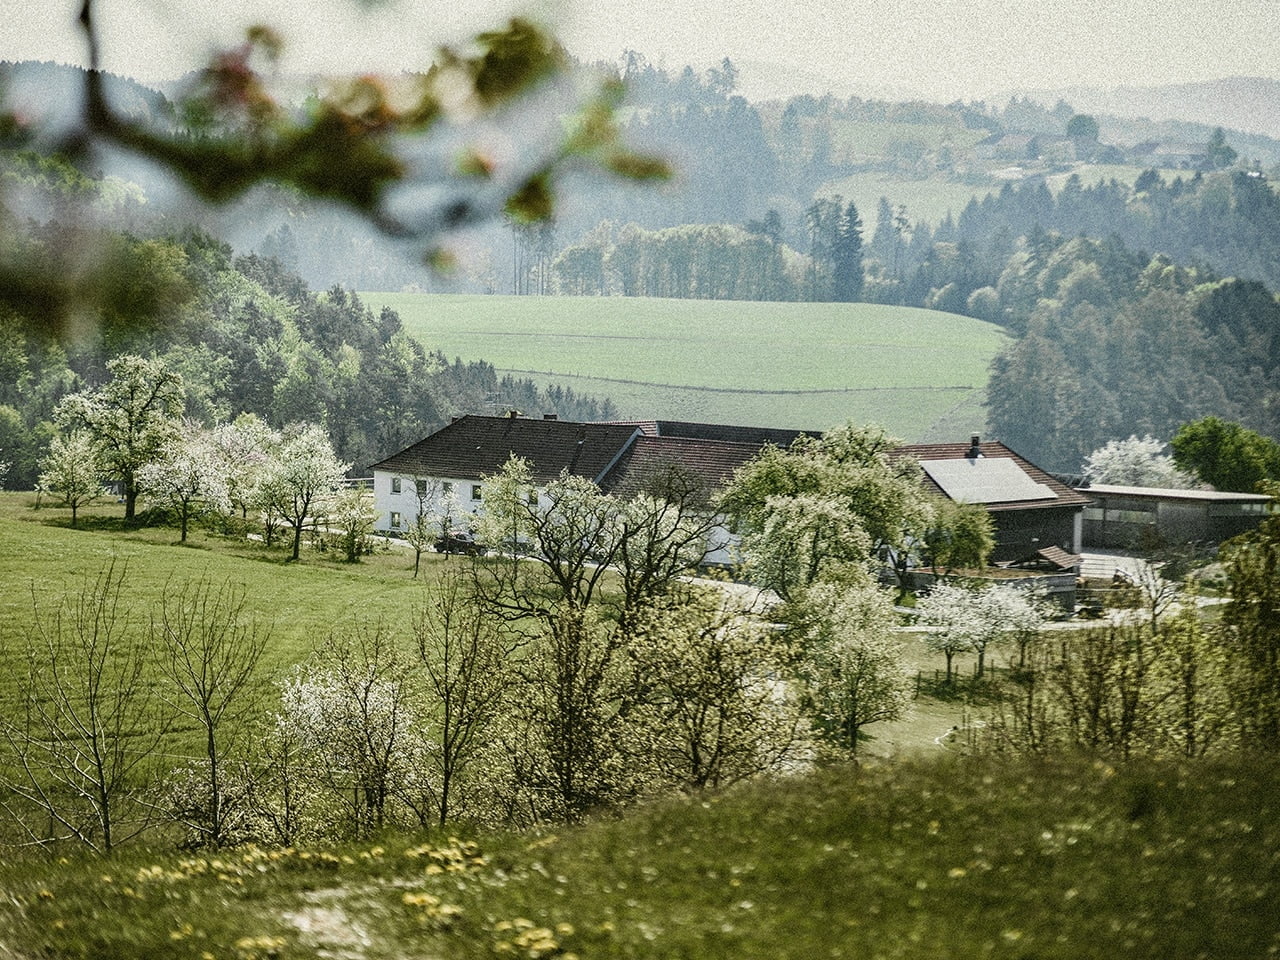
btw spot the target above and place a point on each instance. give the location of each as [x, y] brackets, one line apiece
[399, 152]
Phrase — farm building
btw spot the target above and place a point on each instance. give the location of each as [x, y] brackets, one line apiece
[1126, 517]
[443, 473]
[1037, 518]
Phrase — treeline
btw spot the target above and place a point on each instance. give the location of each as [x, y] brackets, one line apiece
[245, 336]
[1119, 344]
[1227, 221]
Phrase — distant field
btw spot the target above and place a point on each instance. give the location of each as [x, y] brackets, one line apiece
[866, 139]
[918, 373]
[930, 199]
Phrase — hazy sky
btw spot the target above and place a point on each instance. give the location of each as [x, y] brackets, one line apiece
[941, 48]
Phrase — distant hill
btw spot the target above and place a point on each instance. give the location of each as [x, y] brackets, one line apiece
[1249, 104]
[918, 373]
[52, 95]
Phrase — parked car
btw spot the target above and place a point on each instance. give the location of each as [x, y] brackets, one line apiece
[459, 543]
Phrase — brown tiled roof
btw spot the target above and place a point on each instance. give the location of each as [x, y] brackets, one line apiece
[1060, 558]
[707, 464]
[727, 433]
[1064, 496]
[475, 446]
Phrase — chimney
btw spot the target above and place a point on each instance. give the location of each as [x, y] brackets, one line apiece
[549, 416]
[975, 448]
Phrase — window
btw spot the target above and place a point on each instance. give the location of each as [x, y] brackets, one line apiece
[395, 484]
[395, 520]
[446, 487]
[1112, 515]
[475, 491]
[533, 498]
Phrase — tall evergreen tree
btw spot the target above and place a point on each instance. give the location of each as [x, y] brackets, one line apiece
[847, 279]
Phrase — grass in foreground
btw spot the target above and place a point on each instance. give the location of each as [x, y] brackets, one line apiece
[958, 859]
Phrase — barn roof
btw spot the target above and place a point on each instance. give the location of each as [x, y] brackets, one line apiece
[1039, 490]
[475, 446]
[704, 465]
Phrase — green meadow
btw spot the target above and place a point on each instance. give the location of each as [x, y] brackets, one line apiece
[990, 859]
[43, 561]
[919, 373]
[932, 198]
[921, 852]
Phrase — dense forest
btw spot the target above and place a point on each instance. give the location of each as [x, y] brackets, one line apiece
[245, 334]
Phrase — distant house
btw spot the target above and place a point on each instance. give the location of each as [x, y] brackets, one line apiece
[1121, 517]
[1172, 156]
[1037, 518]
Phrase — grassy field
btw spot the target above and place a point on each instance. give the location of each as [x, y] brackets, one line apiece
[930, 199]
[43, 560]
[862, 140]
[919, 373]
[929, 854]
[995, 858]
[927, 199]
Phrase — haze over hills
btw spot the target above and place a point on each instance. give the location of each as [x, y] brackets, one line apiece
[1249, 104]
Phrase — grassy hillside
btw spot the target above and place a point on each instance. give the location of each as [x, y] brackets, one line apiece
[999, 858]
[919, 373]
[43, 560]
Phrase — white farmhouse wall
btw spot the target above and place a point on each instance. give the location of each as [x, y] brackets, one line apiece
[404, 505]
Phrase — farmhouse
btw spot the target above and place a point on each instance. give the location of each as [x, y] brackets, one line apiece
[1127, 517]
[1037, 518]
[443, 474]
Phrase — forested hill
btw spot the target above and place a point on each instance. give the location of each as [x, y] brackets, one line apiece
[1143, 297]
[245, 334]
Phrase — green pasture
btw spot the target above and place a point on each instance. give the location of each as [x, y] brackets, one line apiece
[44, 562]
[1126, 174]
[862, 140]
[927, 199]
[930, 199]
[919, 373]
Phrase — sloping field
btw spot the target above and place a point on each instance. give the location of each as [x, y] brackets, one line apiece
[931, 198]
[918, 373]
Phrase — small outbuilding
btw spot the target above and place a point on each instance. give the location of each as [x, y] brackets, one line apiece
[1123, 518]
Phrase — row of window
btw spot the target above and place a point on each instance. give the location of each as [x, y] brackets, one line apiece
[1120, 516]
[446, 488]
